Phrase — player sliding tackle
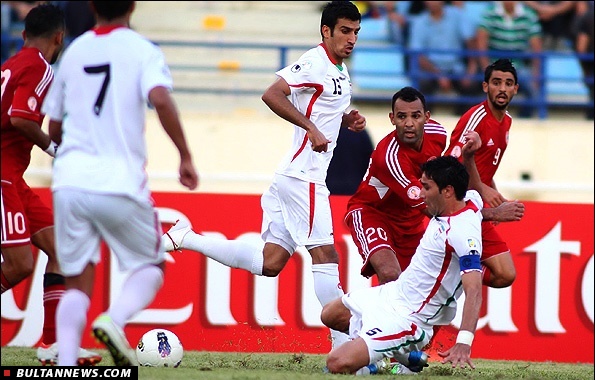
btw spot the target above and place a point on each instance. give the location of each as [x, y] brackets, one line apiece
[396, 319]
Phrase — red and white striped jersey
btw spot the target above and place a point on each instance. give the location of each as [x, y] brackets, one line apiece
[494, 139]
[391, 184]
[321, 90]
[26, 77]
[430, 285]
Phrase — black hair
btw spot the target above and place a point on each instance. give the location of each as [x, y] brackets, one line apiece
[110, 10]
[43, 21]
[409, 94]
[447, 171]
[335, 10]
[502, 64]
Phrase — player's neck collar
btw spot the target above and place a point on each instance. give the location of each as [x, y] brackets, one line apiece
[106, 29]
[337, 65]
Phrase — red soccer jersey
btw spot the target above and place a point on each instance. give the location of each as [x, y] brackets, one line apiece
[494, 139]
[26, 77]
[392, 184]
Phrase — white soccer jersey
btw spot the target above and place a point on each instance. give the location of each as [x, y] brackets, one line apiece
[429, 287]
[103, 146]
[321, 90]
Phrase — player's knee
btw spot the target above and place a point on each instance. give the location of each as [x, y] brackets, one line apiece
[335, 316]
[387, 274]
[503, 279]
[326, 316]
[272, 270]
[507, 278]
[337, 363]
[19, 269]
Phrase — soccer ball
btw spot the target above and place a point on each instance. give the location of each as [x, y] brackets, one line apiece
[159, 348]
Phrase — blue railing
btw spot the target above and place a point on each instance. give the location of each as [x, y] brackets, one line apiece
[383, 69]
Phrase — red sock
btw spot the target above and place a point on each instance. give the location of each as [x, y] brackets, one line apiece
[4, 284]
[53, 289]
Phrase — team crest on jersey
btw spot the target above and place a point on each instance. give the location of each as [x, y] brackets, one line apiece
[456, 151]
[32, 103]
[440, 230]
[472, 244]
[413, 192]
[302, 65]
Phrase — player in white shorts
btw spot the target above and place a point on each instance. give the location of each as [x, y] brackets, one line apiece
[97, 105]
[313, 94]
[396, 319]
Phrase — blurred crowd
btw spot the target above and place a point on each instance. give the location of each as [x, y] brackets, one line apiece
[497, 27]
[77, 14]
[503, 28]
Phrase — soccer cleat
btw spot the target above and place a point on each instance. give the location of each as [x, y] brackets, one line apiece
[106, 331]
[417, 360]
[48, 355]
[372, 369]
[400, 369]
[173, 239]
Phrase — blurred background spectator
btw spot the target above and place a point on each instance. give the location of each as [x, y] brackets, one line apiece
[397, 22]
[351, 158]
[368, 9]
[445, 27]
[78, 17]
[400, 15]
[584, 45]
[556, 18]
[13, 16]
[513, 27]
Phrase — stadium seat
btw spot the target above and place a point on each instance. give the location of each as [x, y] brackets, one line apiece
[374, 30]
[564, 77]
[378, 69]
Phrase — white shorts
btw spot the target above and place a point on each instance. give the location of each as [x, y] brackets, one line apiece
[296, 213]
[387, 332]
[131, 230]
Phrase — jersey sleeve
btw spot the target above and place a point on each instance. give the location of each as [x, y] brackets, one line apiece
[30, 92]
[456, 138]
[465, 238]
[156, 72]
[307, 70]
[473, 196]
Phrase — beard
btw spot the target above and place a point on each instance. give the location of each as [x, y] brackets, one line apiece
[56, 55]
[499, 106]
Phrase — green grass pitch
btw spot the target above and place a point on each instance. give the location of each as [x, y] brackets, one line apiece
[297, 366]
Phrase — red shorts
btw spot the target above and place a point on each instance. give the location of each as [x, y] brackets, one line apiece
[371, 231]
[23, 213]
[493, 244]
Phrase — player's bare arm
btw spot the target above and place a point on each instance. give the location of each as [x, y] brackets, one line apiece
[354, 121]
[460, 353]
[169, 118]
[491, 196]
[32, 131]
[488, 193]
[55, 131]
[275, 97]
[472, 144]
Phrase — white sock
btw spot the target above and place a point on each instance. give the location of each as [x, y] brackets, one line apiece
[71, 318]
[328, 288]
[232, 253]
[137, 292]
